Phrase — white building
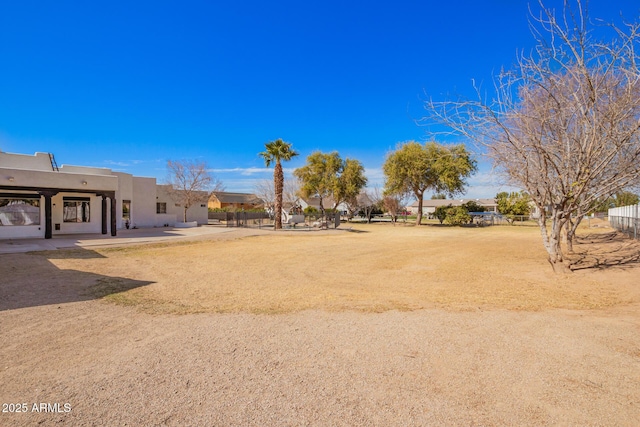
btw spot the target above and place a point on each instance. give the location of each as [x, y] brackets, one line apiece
[38, 199]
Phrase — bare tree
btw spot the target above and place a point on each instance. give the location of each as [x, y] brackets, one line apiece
[290, 191]
[368, 200]
[189, 183]
[564, 124]
[264, 189]
[391, 204]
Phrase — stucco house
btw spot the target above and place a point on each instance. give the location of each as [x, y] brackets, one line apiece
[40, 199]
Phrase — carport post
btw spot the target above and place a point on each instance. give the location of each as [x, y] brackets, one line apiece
[112, 196]
[48, 227]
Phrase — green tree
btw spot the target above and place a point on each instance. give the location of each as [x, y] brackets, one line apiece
[513, 204]
[438, 196]
[276, 152]
[441, 213]
[473, 206]
[327, 175]
[416, 168]
[625, 198]
[621, 198]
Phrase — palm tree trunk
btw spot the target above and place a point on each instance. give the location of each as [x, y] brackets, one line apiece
[278, 184]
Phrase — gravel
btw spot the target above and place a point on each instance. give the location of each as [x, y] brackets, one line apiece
[114, 365]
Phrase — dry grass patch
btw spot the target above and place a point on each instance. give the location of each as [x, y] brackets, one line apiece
[383, 268]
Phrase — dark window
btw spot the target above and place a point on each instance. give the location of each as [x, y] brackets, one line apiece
[161, 208]
[76, 209]
[18, 209]
[126, 209]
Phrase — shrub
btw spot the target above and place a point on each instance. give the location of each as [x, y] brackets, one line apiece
[472, 206]
[310, 211]
[441, 212]
[457, 215]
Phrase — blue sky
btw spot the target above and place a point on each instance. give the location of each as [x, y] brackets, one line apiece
[130, 85]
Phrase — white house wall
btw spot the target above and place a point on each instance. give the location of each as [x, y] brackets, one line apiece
[51, 179]
[143, 202]
[124, 192]
[35, 171]
[199, 212]
[95, 215]
[39, 161]
[23, 231]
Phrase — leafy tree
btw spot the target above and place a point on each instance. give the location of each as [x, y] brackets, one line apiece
[513, 204]
[276, 152]
[457, 215]
[473, 206]
[441, 212]
[416, 168]
[563, 124]
[327, 175]
[438, 196]
[625, 198]
[190, 183]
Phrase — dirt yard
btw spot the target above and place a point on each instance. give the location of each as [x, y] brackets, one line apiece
[381, 326]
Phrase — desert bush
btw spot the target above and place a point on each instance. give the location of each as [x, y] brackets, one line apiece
[457, 215]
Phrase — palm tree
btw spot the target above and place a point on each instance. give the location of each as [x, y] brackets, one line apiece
[277, 151]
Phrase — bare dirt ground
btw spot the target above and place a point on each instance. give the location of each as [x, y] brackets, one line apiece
[379, 326]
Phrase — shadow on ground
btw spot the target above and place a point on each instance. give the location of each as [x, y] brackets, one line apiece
[31, 280]
[605, 250]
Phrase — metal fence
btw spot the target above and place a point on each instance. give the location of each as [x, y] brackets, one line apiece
[263, 220]
[239, 219]
[626, 219]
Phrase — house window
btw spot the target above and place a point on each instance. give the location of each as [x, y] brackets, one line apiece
[76, 209]
[19, 209]
[126, 209]
[161, 208]
[203, 206]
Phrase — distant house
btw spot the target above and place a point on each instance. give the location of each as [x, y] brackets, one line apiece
[327, 203]
[40, 199]
[429, 206]
[222, 199]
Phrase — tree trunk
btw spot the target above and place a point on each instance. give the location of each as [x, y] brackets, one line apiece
[551, 240]
[419, 216]
[278, 183]
[185, 213]
[572, 227]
